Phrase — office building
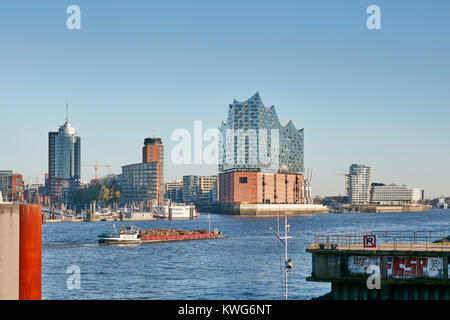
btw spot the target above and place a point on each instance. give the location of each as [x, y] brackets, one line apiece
[173, 191]
[64, 162]
[199, 189]
[359, 183]
[139, 182]
[11, 186]
[153, 151]
[144, 181]
[394, 194]
[190, 188]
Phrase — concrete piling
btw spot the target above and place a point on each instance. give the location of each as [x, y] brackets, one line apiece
[30, 256]
[9, 252]
[20, 251]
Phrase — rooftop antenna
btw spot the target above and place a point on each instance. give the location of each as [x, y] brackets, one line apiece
[67, 112]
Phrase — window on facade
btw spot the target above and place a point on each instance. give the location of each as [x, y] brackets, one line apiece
[242, 179]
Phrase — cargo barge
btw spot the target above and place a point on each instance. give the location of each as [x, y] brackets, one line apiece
[131, 235]
[166, 235]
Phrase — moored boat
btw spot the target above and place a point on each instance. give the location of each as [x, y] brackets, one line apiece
[176, 210]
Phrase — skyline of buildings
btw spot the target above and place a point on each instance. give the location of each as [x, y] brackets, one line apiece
[260, 161]
[362, 190]
[323, 88]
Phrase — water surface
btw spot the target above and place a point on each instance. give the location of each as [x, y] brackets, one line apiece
[246, 265]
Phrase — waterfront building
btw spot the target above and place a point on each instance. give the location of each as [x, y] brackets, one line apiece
[173, 191]
[143, 182]
[359, 183]
[153, 151]
[207, 188]
[254, 139]
[139, 182]
[261, 159]
[190, 188]
[11, 186]
[64, 162]
[199, 189]
[394, 194]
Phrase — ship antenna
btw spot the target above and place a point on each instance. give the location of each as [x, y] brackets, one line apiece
[287, 262]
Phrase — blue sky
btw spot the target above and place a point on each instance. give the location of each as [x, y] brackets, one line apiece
[145, 68]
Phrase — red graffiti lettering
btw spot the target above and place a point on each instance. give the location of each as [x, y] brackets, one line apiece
[422, 263]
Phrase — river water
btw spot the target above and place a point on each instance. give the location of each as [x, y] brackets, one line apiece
[246, 265]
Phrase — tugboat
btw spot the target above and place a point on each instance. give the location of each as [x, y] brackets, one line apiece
[126, 235]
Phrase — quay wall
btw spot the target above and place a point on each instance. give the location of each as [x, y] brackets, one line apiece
[399, 208]
[266, 209]
[404, 275]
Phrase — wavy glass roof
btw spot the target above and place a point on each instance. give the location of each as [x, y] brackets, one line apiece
[248, 120]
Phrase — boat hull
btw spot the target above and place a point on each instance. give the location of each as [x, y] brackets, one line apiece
[113, 241]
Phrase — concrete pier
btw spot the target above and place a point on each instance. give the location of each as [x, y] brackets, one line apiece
[412, 265]
[9, 251]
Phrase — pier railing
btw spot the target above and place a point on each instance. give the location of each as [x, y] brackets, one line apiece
[386, 240]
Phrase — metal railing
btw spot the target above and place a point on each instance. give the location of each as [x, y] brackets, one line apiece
[386, 240]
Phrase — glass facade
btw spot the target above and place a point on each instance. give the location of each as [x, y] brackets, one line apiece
[389, 194]
[359, 183]
[64, 162]
[139, 182]
[253, 138]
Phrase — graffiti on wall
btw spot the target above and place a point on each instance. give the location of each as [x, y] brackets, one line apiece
[359, 264]
[399, 267]
[415, 267]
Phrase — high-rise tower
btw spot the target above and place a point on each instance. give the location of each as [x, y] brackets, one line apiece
[64, 162]
[153, 151]
[359, 182]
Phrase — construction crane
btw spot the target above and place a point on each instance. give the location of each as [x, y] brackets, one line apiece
[96, 166]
